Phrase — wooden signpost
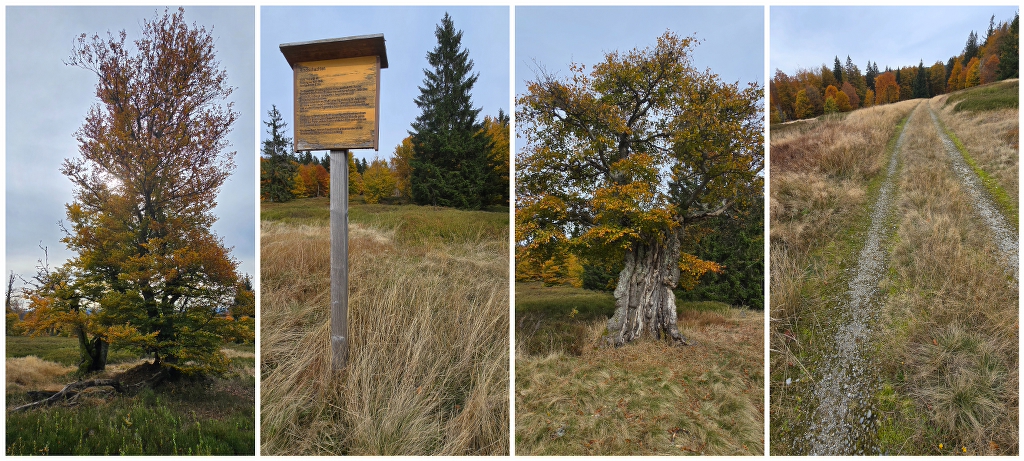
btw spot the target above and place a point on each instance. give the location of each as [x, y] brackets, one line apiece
[337, 108]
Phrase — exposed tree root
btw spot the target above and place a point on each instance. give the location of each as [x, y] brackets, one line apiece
[130, 381]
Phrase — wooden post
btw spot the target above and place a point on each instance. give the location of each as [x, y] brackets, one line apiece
[339, 259]
[336, 84]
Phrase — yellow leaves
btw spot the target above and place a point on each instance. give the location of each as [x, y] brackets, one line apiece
[379, 181]
[691, 268]
[127, 335]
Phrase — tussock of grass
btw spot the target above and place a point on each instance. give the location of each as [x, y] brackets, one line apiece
[949, 357]
[428, 327]
[648, 397]
[33, 373]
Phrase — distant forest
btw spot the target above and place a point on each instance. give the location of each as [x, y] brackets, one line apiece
[841, 88]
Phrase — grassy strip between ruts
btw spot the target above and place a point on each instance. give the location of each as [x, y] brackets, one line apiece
[947, 352]
[1006, 204]
[797, 346]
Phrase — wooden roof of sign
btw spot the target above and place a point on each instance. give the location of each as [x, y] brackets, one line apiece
[336, 48]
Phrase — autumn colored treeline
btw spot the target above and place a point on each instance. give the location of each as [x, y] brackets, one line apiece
[285, 175]
[813, 92]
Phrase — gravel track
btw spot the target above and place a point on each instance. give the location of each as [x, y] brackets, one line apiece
[1002, 232]
[843, 422]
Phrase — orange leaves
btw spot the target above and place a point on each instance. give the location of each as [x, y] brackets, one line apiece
[641, 145]
[312, 180]
[691, 268]
[886, 89]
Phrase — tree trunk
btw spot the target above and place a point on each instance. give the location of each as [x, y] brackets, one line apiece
[94, 352]
[644, 301]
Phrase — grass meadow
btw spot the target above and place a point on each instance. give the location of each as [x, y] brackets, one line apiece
[575, 398]
[428, 326]
[207, 417]
[945, 347]
[823, 181]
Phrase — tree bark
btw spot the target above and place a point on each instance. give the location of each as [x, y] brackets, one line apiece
[94, 352]
[644, 301]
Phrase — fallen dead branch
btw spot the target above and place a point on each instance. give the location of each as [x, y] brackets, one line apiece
[71, 391]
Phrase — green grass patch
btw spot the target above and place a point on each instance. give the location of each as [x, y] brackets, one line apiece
[1006, 204]
[413, 224]
[1001, 95]
[59, 349]
[171, 422]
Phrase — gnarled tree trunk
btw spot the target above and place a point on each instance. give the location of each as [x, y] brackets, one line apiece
[94, 352]
[644, 302]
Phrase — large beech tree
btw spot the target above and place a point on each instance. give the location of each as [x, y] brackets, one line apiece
[149, 273]
[622, 161]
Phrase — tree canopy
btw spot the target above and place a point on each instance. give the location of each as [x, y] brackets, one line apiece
[277, 165]
[451, 166]
[149, 273]
[617, 163]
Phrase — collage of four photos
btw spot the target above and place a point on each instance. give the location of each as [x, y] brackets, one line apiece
[511, 230]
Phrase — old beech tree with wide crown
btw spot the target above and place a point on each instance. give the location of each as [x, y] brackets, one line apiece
[149, 273]
[621, 162]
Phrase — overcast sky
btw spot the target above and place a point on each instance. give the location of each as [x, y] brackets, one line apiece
[46, 102]
[807, 37]
[409, 36]
[554, 37]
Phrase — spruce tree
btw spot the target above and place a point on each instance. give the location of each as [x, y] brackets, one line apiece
[450, 167]
[971, 48]
[1009, 52]
[921, 82]
[277, 175]
[870, 75]
[837, 71]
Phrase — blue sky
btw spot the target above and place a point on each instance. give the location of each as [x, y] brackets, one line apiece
[46, 102]
[409, 36]
[807, 37]
[554, 37]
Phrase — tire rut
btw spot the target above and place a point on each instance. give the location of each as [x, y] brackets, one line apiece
[1003, 233]
[843, 422]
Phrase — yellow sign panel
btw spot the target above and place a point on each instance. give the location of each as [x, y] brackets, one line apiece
[336, 104]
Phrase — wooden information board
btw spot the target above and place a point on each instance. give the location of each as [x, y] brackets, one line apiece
[336, 104]
[337, 91]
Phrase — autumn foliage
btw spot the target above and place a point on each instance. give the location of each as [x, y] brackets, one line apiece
[378, 180]
[148, 271]
[620, 162]
[799, 95]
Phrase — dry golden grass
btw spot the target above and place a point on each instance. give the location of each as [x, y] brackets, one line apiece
[648, 397]
[822, 177]
[33, 373]
[428, 324]
[949, 354]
